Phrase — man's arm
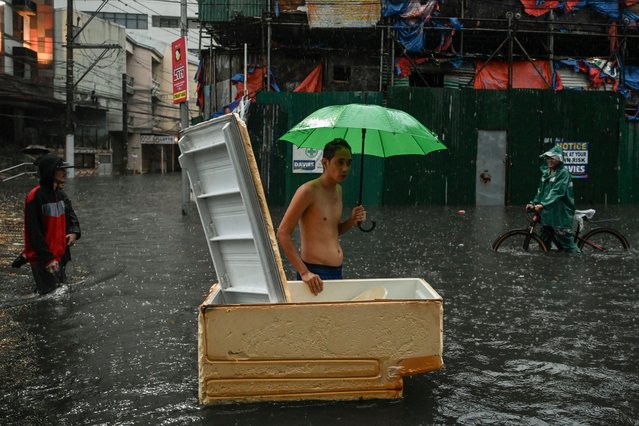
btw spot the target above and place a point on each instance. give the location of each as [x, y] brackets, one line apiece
[73, 232]
[300, 202]
[73, 224]
[534, 203]
[535, 199]
[358, 214]
[558, 190]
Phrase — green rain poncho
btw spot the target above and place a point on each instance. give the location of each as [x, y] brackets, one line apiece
[555, 193]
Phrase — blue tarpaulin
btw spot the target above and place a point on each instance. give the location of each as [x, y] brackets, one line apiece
[631, 76]
[631, 17]
[394, 7]
[609, 8]
[412, 37]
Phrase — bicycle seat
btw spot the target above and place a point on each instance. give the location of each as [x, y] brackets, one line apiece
[581, 214]
[588, 214]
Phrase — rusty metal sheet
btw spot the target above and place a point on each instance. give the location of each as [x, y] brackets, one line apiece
[351, 14]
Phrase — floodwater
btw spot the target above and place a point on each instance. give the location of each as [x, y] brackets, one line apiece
[528, 338]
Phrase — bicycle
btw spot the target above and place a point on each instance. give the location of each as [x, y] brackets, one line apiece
[599, 239]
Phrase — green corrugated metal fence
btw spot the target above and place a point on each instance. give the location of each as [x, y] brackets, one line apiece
[531, 118]
[629, 163]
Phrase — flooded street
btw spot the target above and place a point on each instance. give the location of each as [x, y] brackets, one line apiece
[529, 338]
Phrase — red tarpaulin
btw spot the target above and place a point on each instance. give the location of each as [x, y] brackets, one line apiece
[255, 83]
[569, 5]
[495, 75]
[535, 8]
[403, 65]
[313, 82]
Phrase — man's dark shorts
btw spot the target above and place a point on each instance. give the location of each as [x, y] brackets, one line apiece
[45, 282]
[324, 272]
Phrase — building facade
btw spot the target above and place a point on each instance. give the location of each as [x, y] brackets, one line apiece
[99, 62]
[124, 119]
[153, 121]
[159, 20]
[30, 114]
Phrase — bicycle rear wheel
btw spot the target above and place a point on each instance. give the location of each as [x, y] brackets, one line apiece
[515, 240]
[603, 240]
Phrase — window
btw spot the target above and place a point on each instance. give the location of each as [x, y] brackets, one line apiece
[172, 22]
[133, 21]
[341, 73]
[105, 158]
[94, 135]
[84, 161]
[165, 21]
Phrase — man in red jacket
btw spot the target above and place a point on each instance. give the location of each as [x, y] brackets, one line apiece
[45, 225]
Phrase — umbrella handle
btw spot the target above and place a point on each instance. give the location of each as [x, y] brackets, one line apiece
[361, 228]
[361, 181]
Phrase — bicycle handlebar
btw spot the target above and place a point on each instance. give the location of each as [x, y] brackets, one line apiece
[536, 216]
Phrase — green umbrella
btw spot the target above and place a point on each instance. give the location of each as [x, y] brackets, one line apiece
[369, 129]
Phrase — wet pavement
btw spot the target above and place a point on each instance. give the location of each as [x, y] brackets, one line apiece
[529, 338]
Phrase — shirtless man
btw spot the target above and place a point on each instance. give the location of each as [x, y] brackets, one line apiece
[317, 206]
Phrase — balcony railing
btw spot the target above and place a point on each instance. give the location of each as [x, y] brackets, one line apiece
[155, 89]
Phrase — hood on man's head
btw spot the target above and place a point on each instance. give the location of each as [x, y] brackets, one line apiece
[47, 165]
[555, 152]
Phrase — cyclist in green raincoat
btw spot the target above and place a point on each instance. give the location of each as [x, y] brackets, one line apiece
[555, 201]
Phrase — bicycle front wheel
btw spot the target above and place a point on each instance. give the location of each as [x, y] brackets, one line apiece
[515, 240]
[603, 240]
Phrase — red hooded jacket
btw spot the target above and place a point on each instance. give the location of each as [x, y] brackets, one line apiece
[44, 217]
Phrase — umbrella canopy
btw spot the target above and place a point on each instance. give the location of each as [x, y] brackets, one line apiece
[369, 129]
[36, 150]
[389, 132]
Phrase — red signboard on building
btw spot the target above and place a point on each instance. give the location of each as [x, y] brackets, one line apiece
[180, 87]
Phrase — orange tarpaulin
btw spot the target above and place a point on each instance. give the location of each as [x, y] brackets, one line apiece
[495, 75]
[313, 82]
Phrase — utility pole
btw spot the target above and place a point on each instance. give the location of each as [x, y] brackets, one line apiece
[125, 121]
[184, 109]
[70, 132]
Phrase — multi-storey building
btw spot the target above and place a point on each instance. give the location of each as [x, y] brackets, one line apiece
[124, 120]
[99, 62]
[151, 119]
[29, 112]
[159, 20]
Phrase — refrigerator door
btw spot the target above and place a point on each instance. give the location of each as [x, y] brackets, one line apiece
[224, 178]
